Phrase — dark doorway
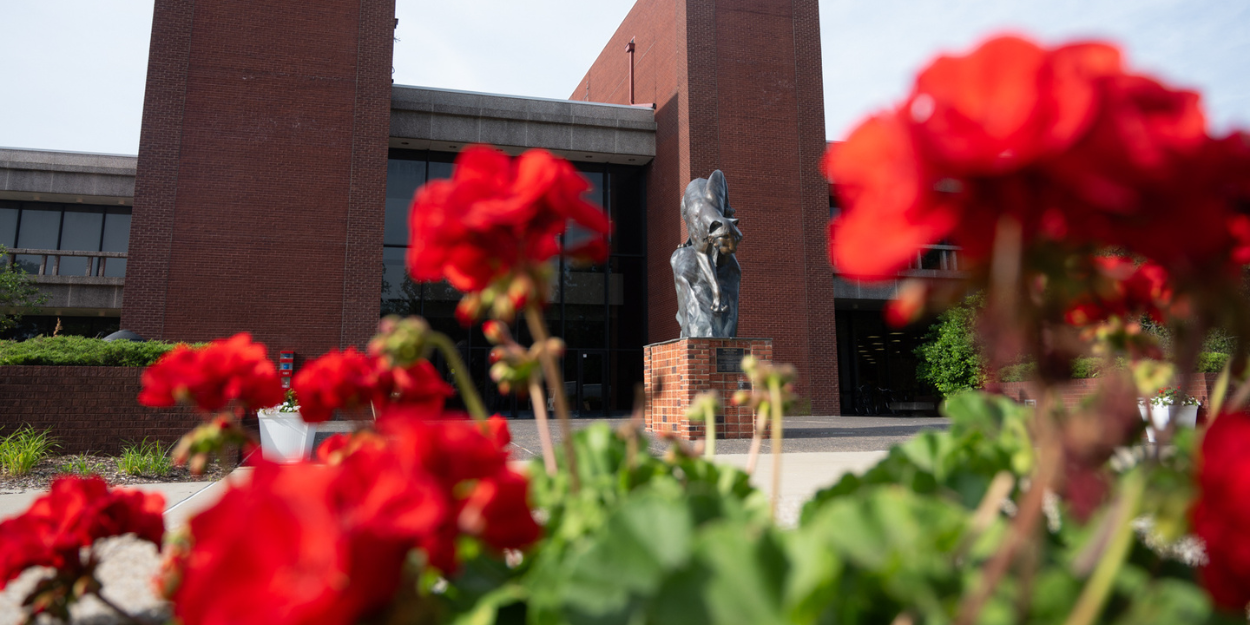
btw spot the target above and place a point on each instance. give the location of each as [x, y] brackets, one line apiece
[877, 365]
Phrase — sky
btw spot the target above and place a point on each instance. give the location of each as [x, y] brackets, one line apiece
[72, 71]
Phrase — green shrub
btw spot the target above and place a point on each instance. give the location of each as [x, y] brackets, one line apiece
[1212, 362]
[82, 351]
[146, 458]
[23, 449]
[81, 464]
[1022, 372]
[950, 358]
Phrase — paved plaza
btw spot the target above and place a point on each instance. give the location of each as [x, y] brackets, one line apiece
[802, 434]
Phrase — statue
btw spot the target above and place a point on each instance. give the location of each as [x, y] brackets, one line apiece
[706, 273]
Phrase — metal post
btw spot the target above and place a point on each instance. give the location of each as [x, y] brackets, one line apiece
[630, 49]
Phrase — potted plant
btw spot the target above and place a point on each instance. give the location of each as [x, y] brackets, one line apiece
[284, 436]
[1166, 404]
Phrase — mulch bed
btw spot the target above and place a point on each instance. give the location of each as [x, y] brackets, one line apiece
[40, 478]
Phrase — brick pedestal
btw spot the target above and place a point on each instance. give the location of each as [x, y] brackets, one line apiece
[677, 370]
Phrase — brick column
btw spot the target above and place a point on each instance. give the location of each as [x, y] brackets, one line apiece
[738, 87]
[261, 181]
[678, 370]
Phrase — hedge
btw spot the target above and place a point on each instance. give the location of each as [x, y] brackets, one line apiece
[82, 351]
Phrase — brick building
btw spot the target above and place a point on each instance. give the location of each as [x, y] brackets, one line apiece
[276, 161]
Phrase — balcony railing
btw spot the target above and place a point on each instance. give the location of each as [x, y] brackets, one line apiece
[50, 262]
[936, 258]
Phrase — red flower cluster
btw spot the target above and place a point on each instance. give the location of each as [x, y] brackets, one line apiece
[496, 215]
[348, 379]
[72, 515]
[210, 377]
[1122, 289]
[1075, 148]
[327, 543]
[1222, 511]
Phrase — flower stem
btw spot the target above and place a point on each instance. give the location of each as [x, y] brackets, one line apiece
[468, 392]
[125, 616]
[757, 437]
[774, 401]
[709, 445]
[555, 385]
[539, 400]
[1094, 596]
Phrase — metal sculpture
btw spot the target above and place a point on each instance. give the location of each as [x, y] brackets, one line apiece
[705, 270]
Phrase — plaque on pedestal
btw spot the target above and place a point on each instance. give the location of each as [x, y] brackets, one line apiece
[677, 370]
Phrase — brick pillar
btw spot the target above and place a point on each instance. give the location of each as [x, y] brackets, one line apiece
[261, 180]
[737, 86]
[678, 370]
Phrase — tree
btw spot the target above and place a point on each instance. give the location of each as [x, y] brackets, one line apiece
[950, 357]
[18, 293]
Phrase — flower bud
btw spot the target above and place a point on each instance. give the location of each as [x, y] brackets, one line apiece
[556, 347]
[495, 332]
[500, 371]
[521, 291]
[469, 309]
[503, 309]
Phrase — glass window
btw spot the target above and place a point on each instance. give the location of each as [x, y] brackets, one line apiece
[37, 229]
[403, 177]
[577, 235]
[116, 239]
[81, 231]
[441, 170]
[8, 227]
[40, 229]
[626, 200]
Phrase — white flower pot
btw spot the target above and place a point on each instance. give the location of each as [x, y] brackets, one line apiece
[284, 436]
[1158, 417]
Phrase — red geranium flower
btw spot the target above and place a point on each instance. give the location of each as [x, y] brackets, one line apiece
[327, 543]
[1077, 150]
[348, 379]
[311, 554]
[497, 214]
[210, 377]
[73, 514]
[1222, 511]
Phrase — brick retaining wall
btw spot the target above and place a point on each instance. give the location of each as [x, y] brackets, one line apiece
[87, 408]
[1200, 386]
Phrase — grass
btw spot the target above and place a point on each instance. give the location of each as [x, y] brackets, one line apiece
[23, 449]
[81, 465]
[145, 458]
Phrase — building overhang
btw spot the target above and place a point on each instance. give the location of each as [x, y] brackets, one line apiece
[69, 177]
[446, 120]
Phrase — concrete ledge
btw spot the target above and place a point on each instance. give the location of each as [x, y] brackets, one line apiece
[446, 120]
[67, 175]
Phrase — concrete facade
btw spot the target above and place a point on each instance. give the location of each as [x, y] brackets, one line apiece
[447, 120]
[41, 175]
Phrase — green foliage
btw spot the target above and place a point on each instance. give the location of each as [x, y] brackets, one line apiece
[146, 458]
[987, 436]
[82, 351]
[23, 449]
[950, 358]
[1212, 362]
[17, 292]
[80, 464]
